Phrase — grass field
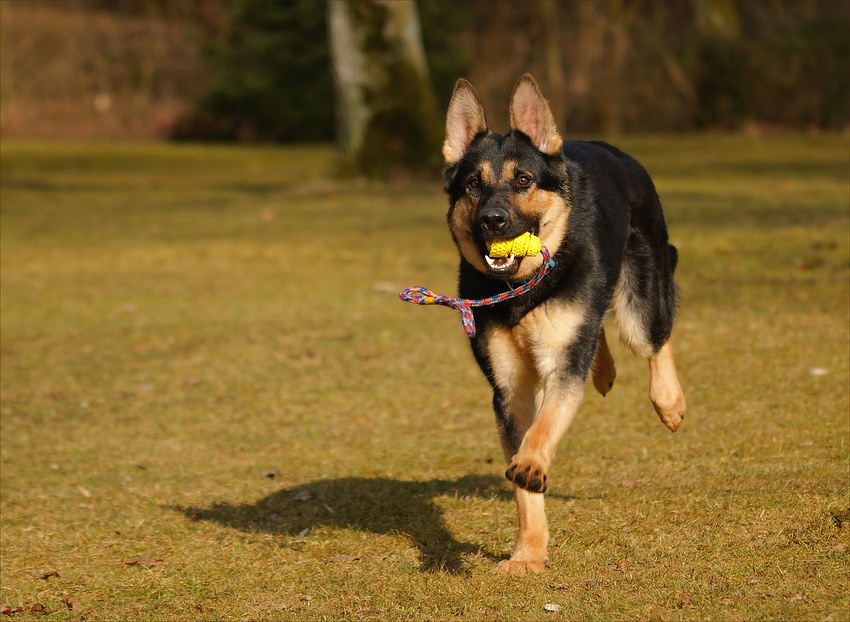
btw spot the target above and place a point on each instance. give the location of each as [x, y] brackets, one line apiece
[206, 371]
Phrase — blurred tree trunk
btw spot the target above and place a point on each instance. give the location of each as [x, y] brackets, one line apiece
[555, 79]
[387, 117]
[349, 73]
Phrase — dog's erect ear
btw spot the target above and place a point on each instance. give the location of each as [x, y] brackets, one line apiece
[464, 120]
[530, 115]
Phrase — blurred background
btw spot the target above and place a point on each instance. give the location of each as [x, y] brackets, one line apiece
[215, 70]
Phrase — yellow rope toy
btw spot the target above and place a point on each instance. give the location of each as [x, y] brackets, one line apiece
[526, 245]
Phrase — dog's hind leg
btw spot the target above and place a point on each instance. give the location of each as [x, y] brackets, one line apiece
[604, 371]
[644, 306]
[664, 389]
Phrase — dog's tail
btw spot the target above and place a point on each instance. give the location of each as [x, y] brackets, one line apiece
[674, 257]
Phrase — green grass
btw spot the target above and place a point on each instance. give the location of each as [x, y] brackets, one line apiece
[178, 321]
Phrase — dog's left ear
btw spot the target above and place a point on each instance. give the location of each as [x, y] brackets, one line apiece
[530, 115]
[464, 121]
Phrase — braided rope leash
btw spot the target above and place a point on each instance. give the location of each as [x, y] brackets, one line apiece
[422, 296]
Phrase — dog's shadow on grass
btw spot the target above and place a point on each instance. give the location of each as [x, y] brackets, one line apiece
[378, 505]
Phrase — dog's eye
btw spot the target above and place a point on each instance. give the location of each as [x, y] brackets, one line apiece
[524, 181]
[473, 183]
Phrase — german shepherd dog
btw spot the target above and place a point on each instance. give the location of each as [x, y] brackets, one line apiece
[597, 211]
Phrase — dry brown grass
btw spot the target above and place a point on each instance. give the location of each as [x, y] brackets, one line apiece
[177, 322]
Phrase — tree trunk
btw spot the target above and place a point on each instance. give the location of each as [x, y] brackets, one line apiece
[387, 118]
[349, 68]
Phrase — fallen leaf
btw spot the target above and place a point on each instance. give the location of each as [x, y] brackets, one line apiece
[39, 608]
[551, 607]
[804, 263]
[6, 611]
[85, 492]
[304, 495]
[685, 602]
[838, 548]
[44, 575]
[621, 566]
[342, 558]
[303, 532]
[147, 562]
[631, 483]
[70, 604]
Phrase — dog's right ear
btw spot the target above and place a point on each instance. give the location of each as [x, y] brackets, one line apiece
[464, 121]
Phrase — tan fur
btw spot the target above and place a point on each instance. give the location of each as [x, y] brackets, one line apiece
[521, 357]
[664, 389]
[629, 322]
[488, 175]
[532, 537]
[459, 224]
[554, 215]
[604, 371]
[508, 172]
[557, 409]
[546, 331]
[515, 375]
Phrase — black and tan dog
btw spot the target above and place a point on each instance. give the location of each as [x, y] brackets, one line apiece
[597, 211]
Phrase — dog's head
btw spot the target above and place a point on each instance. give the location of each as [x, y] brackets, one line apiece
[502, 186]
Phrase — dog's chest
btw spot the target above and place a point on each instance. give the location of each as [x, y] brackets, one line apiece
[544, 333]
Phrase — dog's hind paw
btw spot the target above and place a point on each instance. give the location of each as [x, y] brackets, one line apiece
[527, 475]
[510, 566]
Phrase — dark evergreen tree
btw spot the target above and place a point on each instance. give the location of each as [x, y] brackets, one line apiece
[273, 80]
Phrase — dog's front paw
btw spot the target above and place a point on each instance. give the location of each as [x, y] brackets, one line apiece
[527, 474]
[510, 566]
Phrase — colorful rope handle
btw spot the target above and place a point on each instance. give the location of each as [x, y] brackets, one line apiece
[422, 296]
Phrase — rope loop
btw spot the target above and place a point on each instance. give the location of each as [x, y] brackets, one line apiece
[421, 296]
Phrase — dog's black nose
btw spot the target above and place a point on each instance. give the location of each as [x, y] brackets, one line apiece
[493, 219]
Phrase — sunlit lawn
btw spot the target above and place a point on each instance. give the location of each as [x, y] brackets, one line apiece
[206, 368]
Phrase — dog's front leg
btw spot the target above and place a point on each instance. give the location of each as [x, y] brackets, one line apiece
[528, 467]
[532, 538]
[561, 398]
[531, 429]
[561, 345]
[509, 367]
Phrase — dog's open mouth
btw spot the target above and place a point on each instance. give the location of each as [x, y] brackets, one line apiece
[502, 266]
[504, 255]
